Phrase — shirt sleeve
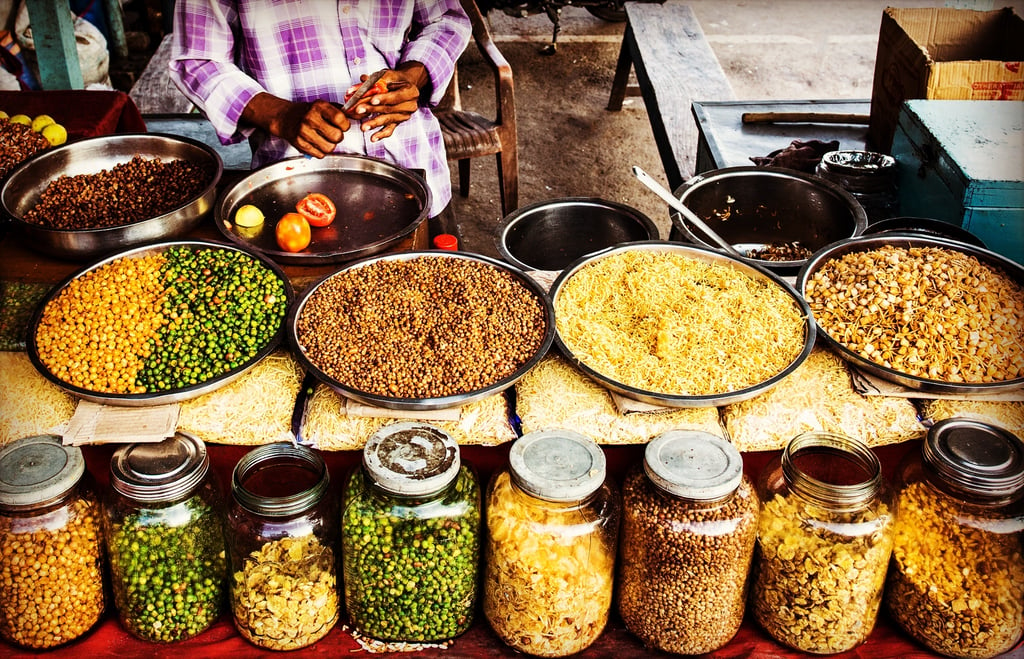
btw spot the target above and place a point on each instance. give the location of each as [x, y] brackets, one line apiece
[202, 65]
[441, 31]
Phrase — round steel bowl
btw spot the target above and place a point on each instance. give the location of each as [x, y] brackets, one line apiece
[708, 255]
[908, 240]
[171, 395]
[925, 226]
[23, 187]
[444, 402]
[379, 205]
[755, 206]
[550, 235]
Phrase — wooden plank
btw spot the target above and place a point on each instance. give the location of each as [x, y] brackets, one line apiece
[153, 92]
[56, 49]
[674, 66]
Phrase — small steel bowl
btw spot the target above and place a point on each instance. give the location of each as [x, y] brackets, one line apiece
[925, 226]
[907, 240]
[443, 402]
[26, 183]
[550, 235]
[708, 255]
[159, 397]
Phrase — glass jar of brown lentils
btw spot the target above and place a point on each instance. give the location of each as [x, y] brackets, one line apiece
[51, 544]
[689, 526]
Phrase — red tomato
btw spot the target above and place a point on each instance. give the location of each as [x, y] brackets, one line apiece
[317, 208]
[293, 232]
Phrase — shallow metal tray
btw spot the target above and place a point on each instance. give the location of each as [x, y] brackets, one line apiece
[171, 395]
[379, 204]
[907, 240]
[709, 255]
[395, 403]
[27, 182]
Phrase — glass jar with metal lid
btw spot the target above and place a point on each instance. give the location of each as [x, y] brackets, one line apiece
[282, 547]
[689, 527]
[823, 543]
[956, 581]
[51, 544]
[552, 534]
[164, 533]
[411, 536]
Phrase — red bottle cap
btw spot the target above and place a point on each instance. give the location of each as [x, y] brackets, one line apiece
[446, 241]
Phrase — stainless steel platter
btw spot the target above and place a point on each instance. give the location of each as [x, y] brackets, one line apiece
[441, 402]
[708, 255]
[173, 395]
[379, 204]
[907, 240]
[23, 187]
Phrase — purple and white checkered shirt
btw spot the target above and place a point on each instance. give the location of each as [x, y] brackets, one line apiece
[227, 51]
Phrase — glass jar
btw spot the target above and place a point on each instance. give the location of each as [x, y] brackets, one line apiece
[51, 544]
[823, 544]
[411, 536]
[689, 527]
[165, 539]
[956, 581]
[552, 529]
[282, 547]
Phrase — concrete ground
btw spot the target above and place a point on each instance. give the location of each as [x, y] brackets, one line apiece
[570, 145]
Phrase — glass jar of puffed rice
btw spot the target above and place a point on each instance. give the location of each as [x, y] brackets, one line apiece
[689, 526]
[956, 582]
[51, 544]
[823, 543]
[552, 522]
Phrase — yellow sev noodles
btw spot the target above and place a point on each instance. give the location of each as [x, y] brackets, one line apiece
[670, 324]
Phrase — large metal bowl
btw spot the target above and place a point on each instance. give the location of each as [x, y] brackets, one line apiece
[755, 206]
[906, 241]
[550, 235]
[23, 187]
[708, 255]
[172, 395]
[445, 402]
[379, 204]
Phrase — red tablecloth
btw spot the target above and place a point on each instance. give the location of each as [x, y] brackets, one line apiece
[83, 112]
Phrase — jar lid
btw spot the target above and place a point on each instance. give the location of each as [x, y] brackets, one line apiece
[159, 471]
[411, 459]
[37, 469]
[557, 465]
[693, 464]
[976, 457]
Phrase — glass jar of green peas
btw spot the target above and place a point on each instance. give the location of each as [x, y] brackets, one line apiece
[164, 533]
[411, 537]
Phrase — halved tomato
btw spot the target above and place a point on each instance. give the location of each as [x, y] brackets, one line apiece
[317, 208]
[292, 232]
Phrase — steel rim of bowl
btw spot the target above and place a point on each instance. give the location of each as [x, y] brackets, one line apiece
[423, 404]
[860, 217]
[907, 240]
[711, 255]
[161, 397]
[45, 238]
[512, 221]
[929, 227]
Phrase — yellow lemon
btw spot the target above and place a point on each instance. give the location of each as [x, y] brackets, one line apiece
[248, 216]
[41, 122]
[55, 134]
[21, 119]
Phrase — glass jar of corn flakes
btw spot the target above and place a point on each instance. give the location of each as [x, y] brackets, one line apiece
[689, 526]
[552, 529]
[823, 543]
[956, 582]
[51, 544]
[282, 547]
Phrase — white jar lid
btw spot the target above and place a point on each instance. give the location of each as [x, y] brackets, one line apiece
[411, 459]
[36, 469]
[693, 464]
[557, 465]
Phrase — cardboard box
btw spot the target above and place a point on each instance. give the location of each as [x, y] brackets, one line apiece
[942, 53]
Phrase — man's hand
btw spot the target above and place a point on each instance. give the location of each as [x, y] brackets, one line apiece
[384, 111]
[312, 128]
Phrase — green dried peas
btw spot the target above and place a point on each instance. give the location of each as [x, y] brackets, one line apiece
[168, 579]
[410, 574]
